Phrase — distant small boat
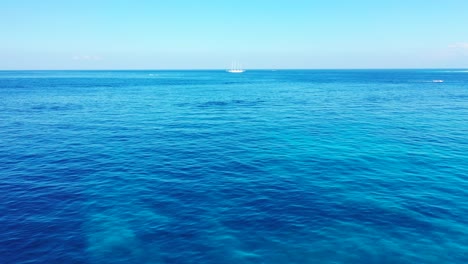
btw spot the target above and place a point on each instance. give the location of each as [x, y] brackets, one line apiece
[236, 68]
[438, 81]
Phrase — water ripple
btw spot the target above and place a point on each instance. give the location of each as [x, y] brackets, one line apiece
[209, 167]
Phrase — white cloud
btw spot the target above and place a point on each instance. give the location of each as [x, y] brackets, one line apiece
[86, 58]
[459, 45]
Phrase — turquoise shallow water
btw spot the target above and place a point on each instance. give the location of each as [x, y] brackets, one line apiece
[147, 167]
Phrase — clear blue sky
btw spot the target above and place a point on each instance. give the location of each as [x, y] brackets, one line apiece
[182, 34]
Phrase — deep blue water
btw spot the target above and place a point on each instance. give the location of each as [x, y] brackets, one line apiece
[273, 167]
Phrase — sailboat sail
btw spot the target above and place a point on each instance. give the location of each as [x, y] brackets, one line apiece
[236, 68]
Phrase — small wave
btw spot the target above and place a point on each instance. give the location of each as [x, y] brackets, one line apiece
[214, 103]
[56, 107]
[231, 103]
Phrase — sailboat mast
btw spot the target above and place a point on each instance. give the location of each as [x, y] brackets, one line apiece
[236, 67]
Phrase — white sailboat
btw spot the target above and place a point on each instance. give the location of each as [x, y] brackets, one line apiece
[236, 68]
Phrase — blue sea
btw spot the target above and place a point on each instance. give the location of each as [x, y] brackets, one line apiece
[286, 166]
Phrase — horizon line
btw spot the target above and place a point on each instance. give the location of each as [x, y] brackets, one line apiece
[253, 69]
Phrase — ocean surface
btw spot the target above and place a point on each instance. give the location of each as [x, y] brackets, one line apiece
[319, 166]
